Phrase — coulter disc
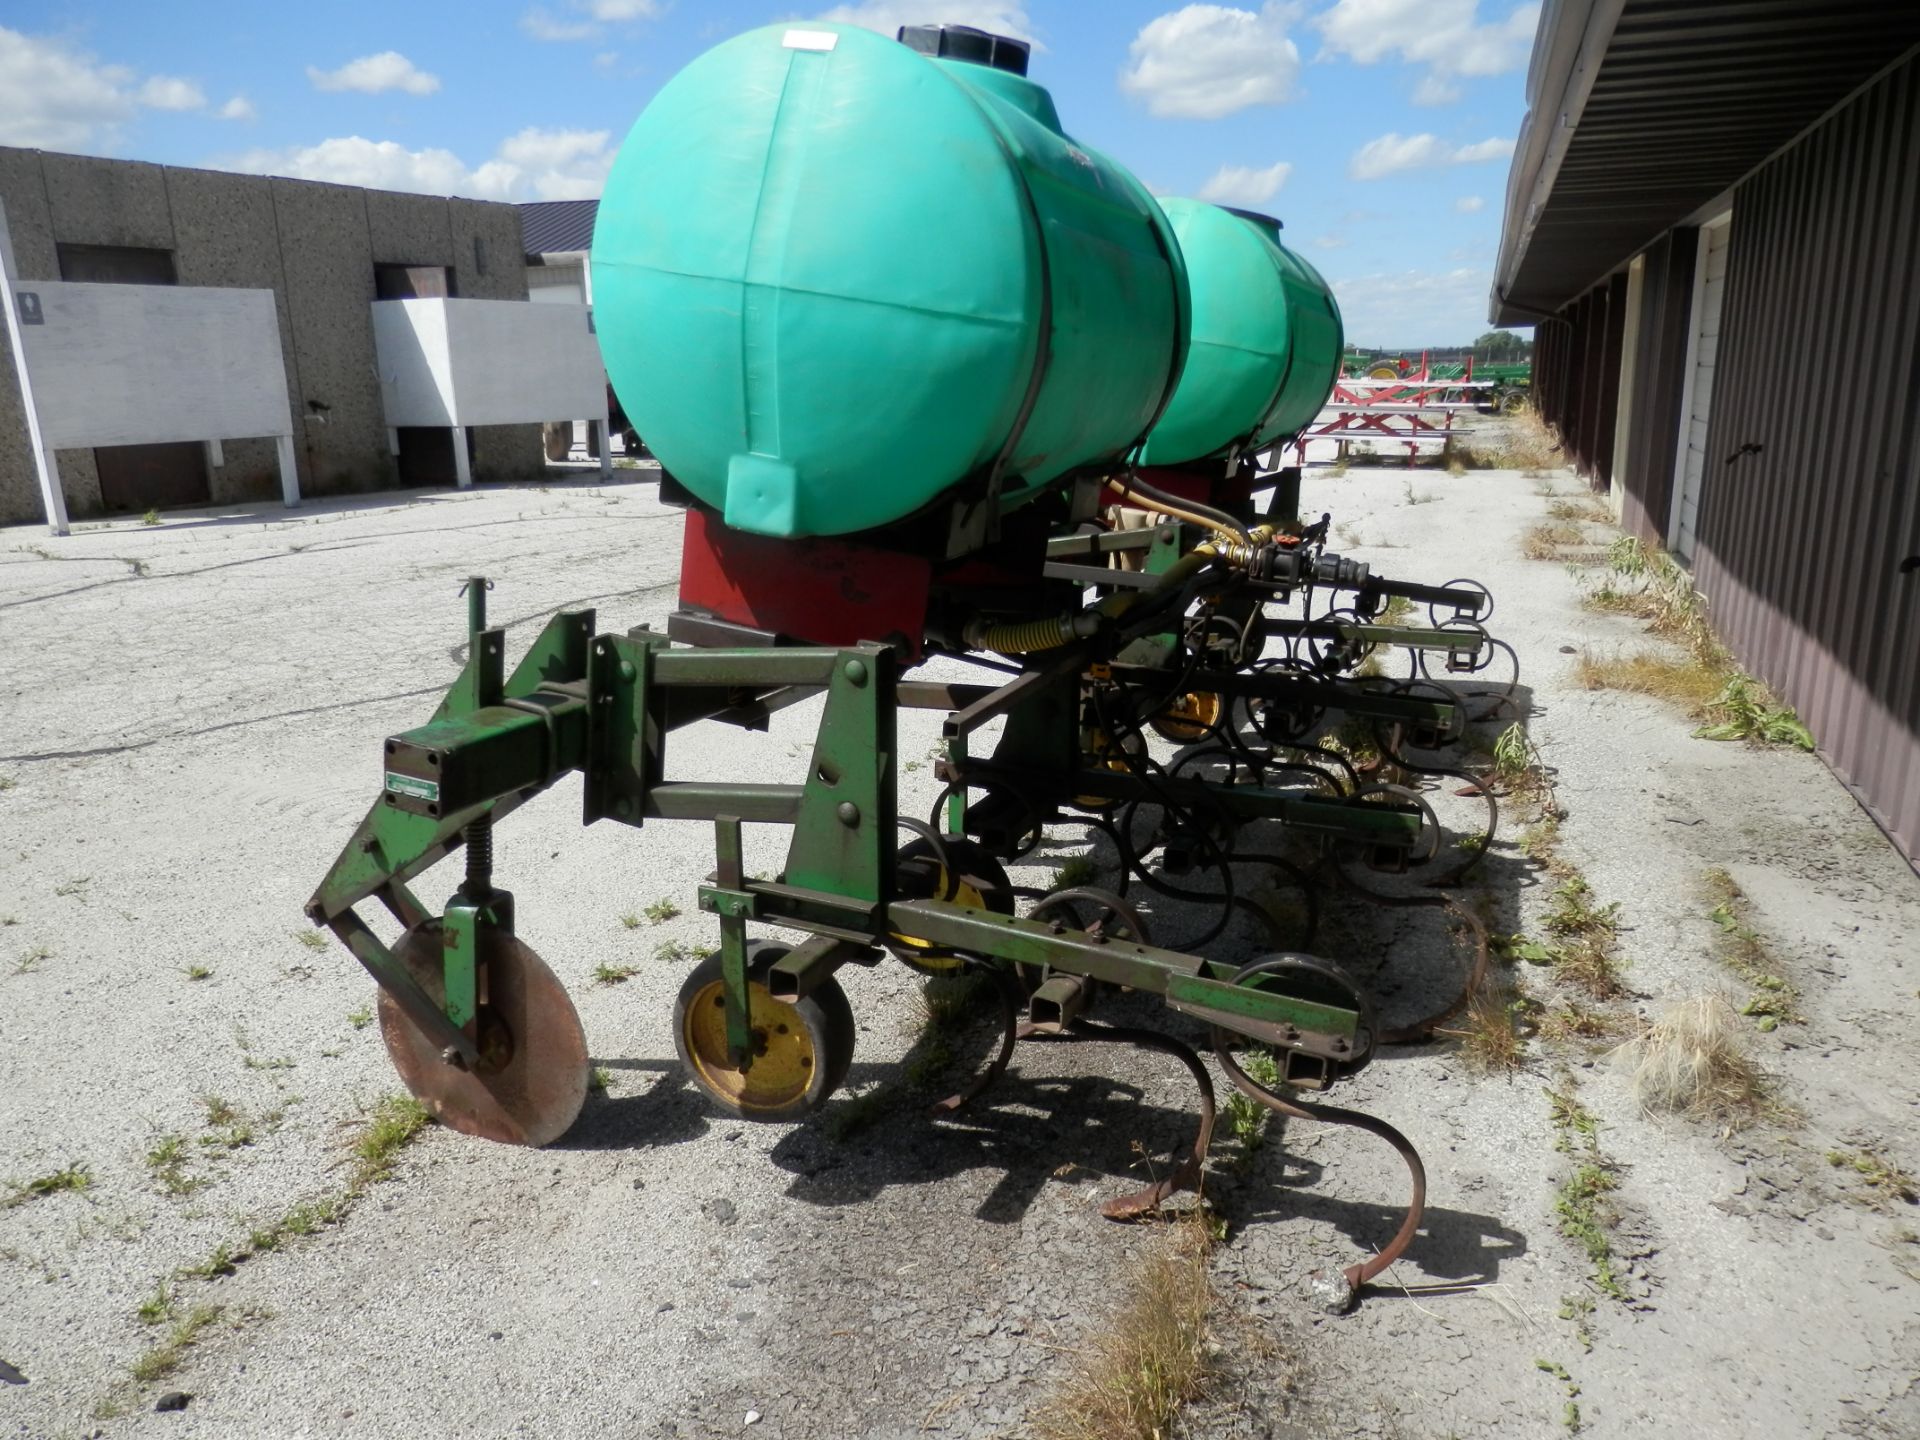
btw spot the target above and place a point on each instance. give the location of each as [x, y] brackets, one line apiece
[531, 1079]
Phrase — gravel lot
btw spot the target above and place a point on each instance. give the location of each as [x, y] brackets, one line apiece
[191, 722]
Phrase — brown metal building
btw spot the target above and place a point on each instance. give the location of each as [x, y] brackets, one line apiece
[1714, 220]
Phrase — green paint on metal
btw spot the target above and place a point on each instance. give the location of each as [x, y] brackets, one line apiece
[843, 836]
[812, 257]
[1259, 1003]
[459, 959]
[733, 944]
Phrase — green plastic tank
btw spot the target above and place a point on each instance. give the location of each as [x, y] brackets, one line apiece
[836, 276]
[1265, 344]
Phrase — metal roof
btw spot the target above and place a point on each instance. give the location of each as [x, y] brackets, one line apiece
[1641, 111]
[557, 227]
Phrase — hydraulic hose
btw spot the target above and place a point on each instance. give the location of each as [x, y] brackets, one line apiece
[1146, 497]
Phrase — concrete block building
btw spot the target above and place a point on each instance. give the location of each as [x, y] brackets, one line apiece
[326, 252]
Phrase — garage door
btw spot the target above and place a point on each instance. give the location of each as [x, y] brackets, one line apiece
[1703, 354]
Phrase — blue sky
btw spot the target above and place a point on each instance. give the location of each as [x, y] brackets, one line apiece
[1379, 130]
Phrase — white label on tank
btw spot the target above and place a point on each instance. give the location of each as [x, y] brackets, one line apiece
[810, 40]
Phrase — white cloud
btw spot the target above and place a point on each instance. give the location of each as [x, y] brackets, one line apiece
[586, 20]
[1444, 35]
[544, 25]
[531, 165]
[238, 108]
[996, 17]
[1329, 242]
[374, 74]
[1415, 308]
[56, 97]
[1470, 204]
[1483, 150]
[169, 92]
[1206, 61]
[606, 60]
[1245, 186]
[1393, 152]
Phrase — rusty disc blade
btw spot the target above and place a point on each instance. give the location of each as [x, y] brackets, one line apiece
[531, 1079]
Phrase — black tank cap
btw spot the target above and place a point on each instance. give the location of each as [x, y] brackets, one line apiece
[963, 42]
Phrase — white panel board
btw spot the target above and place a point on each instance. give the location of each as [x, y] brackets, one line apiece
[487, 362]
[1710, 293]
[416, 368]
[144, 364]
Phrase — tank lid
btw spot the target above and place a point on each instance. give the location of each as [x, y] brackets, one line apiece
[963, 42]
[1255, 216]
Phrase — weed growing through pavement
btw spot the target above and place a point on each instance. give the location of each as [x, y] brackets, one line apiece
[58, 1182]
[156, 1307]
[1584, 1212]
[856, 1113]
[30, 960]
[312, 939]
[607, 973]
[168, 1161]
[1150, 1357]
[1247, 1117]
[198, 972]
[661, 911]
[361, 1018]
[1587, 934]
[672, 951]
[1729, 703]
[1773, 1001]
[163, 1359]
[1885, 1182]
[1410, 496]
[152, 517]
[598, 1078]
[1076, 871]
[1570, 1412]
[631, 920]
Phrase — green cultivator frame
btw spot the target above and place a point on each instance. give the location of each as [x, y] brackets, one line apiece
[482, 1031]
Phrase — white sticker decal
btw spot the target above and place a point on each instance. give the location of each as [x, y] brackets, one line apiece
[810, 40]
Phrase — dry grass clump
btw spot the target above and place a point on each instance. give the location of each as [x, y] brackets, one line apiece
[1690, 1062]
[1729, 703]
[1491, 1036]
[1588, 508]
[1543, 542]
[1527, 444]
[1150, 1358]
[1686, 683]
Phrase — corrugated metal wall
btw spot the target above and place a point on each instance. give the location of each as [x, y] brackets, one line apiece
[1801, 540]
[1577, 373]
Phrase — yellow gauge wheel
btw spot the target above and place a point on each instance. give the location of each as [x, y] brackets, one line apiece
[801, 1051]
[1190, 717]
[1099, 751]
[919, 875]
[1383, 371]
